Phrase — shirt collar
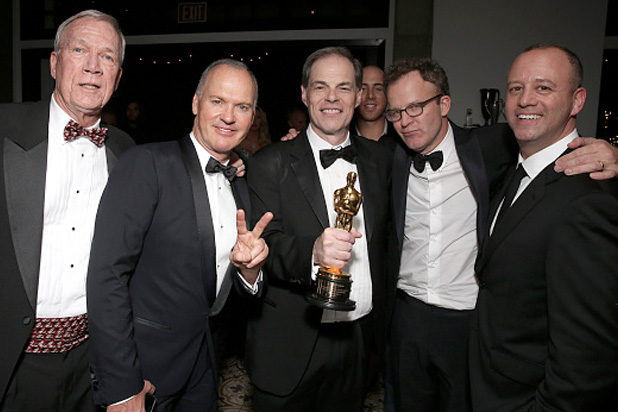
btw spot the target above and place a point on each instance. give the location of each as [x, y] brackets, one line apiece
[58, 120]
[535, 164]
[202, 154]
[317, 143]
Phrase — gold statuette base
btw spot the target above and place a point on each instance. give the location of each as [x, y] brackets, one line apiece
[332, 290]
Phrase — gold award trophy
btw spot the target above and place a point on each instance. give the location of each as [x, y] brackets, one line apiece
[332, 284]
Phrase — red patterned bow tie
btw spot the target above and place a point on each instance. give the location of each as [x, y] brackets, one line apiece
[74, 130]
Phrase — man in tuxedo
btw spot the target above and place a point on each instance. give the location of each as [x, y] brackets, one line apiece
[545, 331]
[440, 199]
[160, 264]
[441, 204]
[53, 174]
[301, 357]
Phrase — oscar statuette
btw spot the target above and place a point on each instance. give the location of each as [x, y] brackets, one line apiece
[332, 287]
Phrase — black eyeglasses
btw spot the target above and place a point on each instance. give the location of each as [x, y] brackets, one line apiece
[413, 110]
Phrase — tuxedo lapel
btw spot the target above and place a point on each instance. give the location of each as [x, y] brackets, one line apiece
[25, 164]
[203, 216]
[401, 175]
[306, 172]
[527, 200]
[368, 184]
[471, 159]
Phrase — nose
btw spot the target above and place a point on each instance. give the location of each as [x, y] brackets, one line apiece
[371, 93]
[406, 119]
[93, 65]
[227, 115]
[526, 98]
[332, 95]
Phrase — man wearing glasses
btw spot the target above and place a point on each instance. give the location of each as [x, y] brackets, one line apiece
[442, 180]
[438, 183]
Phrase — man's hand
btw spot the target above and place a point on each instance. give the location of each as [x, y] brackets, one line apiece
[250, 251]
[292, 133]
[237, 162]
[594, 156]
[334, 246]
[136, 403]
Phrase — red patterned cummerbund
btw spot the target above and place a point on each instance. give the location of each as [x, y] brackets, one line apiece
[57, 335]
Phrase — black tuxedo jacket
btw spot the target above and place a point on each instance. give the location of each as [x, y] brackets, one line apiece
[23, 165]
[485, 155]
[545, 333]
[284, 180]
[148, 277]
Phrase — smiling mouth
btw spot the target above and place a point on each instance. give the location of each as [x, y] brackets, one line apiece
[528, 116]
[225, 129]
[331, 111]
[90, 86]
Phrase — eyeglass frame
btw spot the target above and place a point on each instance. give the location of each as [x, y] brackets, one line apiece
[405, 109]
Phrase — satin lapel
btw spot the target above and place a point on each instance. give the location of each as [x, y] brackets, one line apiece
[203, 215]
[25, 165]
[367, 172]
[401, 176]
[305, 170]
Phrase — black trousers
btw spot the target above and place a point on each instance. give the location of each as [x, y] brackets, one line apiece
[200, 392]
[336, 377]
[57, 382]
[429, 357]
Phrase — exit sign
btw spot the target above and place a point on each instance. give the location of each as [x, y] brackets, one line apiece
[191, 12]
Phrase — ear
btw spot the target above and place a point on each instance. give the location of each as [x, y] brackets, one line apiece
[195, 104]
[53, 62]
[579, 99]
[445, 105]
[303, 95]
[359, 95]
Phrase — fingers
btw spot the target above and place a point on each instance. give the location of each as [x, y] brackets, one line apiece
[292, 133]
[149, 387]
[581, 141]
[262, 223]
[355, 233]
[333, 247]
[593, 156]
[241, 224]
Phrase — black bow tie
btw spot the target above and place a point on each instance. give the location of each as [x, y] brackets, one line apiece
[214, 166]
[328, 156]
[435, 161]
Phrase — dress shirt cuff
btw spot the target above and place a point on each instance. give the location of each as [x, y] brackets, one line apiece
[314, 269]
[252, 289]
[126, 400]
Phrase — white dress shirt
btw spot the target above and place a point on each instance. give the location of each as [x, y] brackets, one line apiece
[75, 178]
[223, 215]
[331, 179]
[440, 243]
[535, 164]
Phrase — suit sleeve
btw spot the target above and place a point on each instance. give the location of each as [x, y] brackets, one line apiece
[290, 249]
[125, 212]
[582, 293]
